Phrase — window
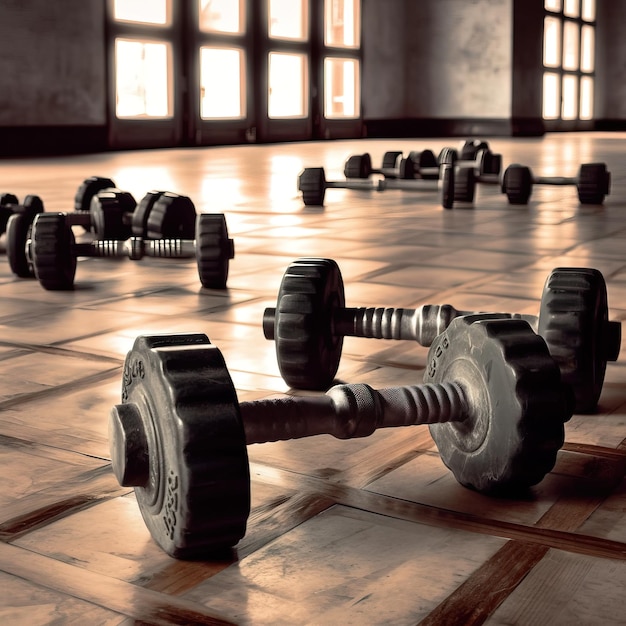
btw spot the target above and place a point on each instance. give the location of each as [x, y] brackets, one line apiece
[568, 59]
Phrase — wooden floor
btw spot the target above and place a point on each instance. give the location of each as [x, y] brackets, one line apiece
[367, 531]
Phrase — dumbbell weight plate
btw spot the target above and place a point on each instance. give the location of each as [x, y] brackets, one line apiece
[196, 499]
[471, 148]
[88, 189]
[6, 200]
[213, 250]
[108, 211]
[573, 319]
[358, 166]
[54, 262]
[312, 184]
[139, 222]
[171, 217]
[517, 183]
[594, 182]
[447, 156]
[464, 184]
[18, 232]
[310, 292]
[517, 450]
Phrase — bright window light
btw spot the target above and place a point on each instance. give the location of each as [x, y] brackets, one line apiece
[223, 16]
[144, 11]
[143, 79]
[341, 88]
[552, 5]
[222, 84]
[586, 98]
[587, 44]
[287, 94]
[569, 103]
[551, 41]
[571, 42]
[571, 8]
[342, 23]
[551, 96]
[589, 10]
[287, 19]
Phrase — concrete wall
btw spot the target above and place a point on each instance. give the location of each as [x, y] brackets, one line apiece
[610, 101]
[458, 58]
[52, 67]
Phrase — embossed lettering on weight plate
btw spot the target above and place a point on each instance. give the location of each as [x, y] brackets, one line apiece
[442, 346]
[170, 514]
[133, 370]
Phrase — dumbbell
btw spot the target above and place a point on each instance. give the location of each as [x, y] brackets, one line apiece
[487, 165]
[471, 147]
[360, 165]
[310, 321]
[113, 214]
[418, 164]
[7, 202]
[592, 183]
[53, 250]
[454, 185]
[492, 396]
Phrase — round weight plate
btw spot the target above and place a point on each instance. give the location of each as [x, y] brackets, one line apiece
[54, 262]
[7, 201]
[464, 184]
[88, 189]
[312, 184]
[109, 210]
[517, 183]
[139, 222]
[447, 156]
[213, 250]
[195, 497]
[358, 166]
[390, 159]
[172, 217]
[18, 233]
[447, 186]
[471, 148]
[593, 183]
[307, 350]
[573, 319]
[517, 403]
[407, 169]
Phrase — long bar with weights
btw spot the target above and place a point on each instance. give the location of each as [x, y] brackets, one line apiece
[492, 396]
[310, 321]
[592, 183]
[53, 250]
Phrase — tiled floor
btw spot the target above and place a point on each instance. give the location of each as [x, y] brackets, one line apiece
[365, 531]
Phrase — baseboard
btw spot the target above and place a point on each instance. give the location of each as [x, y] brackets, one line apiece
[610, 125]
[462, 127]
[26, 141]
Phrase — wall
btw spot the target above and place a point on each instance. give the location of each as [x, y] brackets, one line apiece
[610, 102]
[52, 69]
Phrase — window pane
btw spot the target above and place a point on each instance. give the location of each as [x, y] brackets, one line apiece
[571, 8]
[552, 5]
[224, 16]
[586, 98]
[342, 23]
[146, 11]
[286, 91]
[551, 41]
[341, 88]
[143, 83]
[570, 97]
[222, 87]
[571, 38]
[551, 96]
[287, 19]
[587, 43]
[589, 10]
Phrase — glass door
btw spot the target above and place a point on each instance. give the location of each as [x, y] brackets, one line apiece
[220, 98]
[145, 71]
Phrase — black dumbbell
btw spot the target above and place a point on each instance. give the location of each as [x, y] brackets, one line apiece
[471, 147]
[7, 202]
[53, 250]
[310, 321]
[454, 185]
[487, 165]
[360, 165]
[492, 397]
[593, 183]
